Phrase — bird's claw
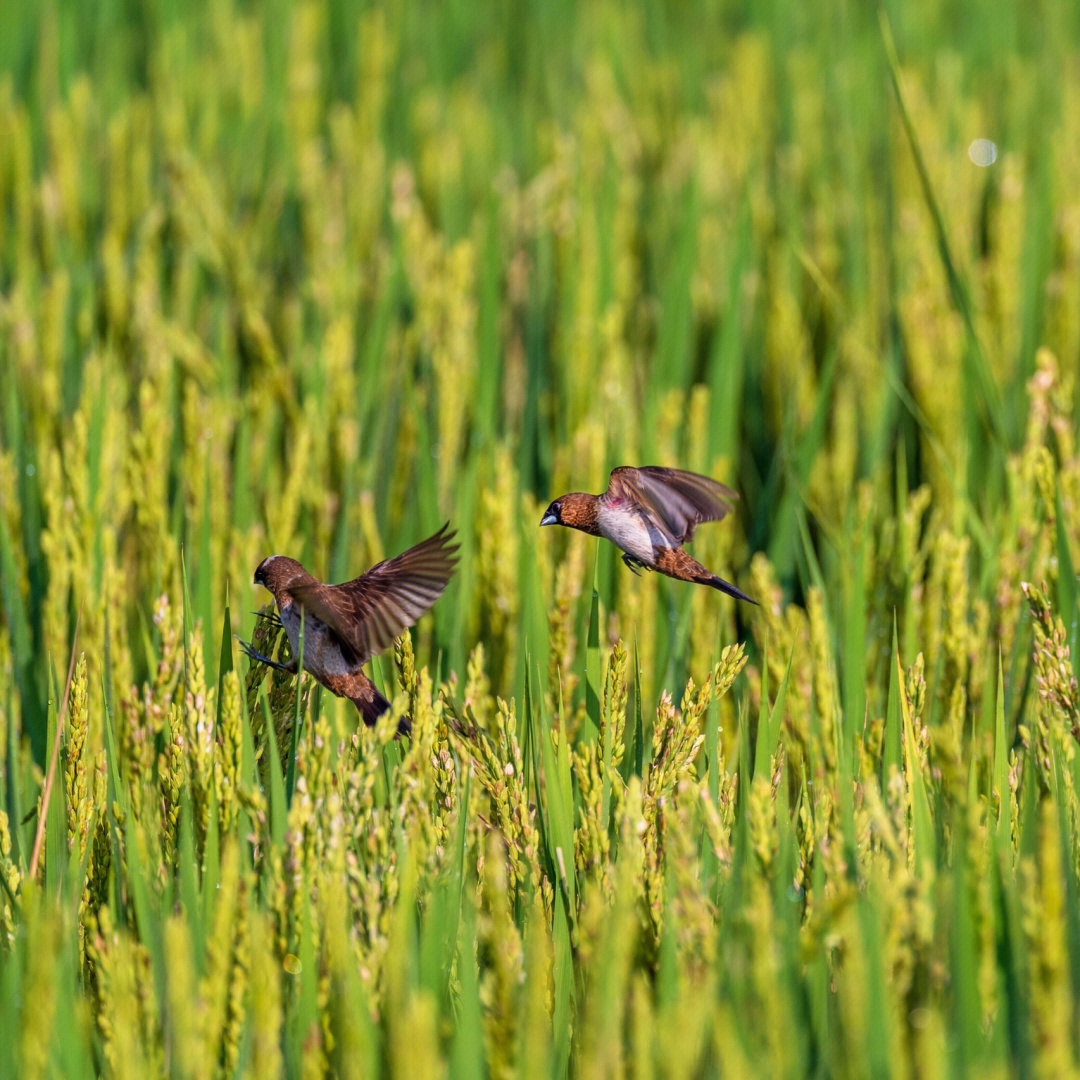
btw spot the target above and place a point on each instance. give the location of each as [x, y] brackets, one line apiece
[271, 617]
[253, 654]
[634, 565]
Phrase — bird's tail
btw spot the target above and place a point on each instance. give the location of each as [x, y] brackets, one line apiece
[373, 705]
[726, 587]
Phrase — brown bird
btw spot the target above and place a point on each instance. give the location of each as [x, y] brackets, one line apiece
[345, 625]
[650, 512]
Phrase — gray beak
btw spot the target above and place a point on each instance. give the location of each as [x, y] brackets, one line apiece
[549, 519]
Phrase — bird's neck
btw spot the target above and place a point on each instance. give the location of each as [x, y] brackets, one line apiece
[578, 510]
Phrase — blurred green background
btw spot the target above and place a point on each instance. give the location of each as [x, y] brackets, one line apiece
[314, 278]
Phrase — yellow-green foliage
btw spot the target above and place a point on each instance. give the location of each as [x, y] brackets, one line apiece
[312, 279]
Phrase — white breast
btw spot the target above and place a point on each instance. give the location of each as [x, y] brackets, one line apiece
[628, 530]
[318, 653]
[290, 619]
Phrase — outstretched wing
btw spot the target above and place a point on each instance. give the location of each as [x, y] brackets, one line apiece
[368, 612]
[679, 500]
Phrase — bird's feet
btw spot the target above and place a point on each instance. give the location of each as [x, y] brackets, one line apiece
[271, 617]
[252, 654]
[635, 565]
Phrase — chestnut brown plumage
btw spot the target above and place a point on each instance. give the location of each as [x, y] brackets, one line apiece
[345, 625]
[650, 512]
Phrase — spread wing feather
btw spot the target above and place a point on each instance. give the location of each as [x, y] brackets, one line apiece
[368, 612]
[679, 500]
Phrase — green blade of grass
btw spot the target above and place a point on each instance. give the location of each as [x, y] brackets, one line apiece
[205, 579]
[211, 860]
[761, 760]
[771, 719]
[592, 661]
[279, 802]
[976, 367]
[559, 802]
[534, 762]
[635, 757]
[467, 1057]
[225, 657]
[855, 624]
[23, 616]
[878, 1040]
[922, 829]
[298, 716]
[302, 1020]
[893, 736]
[188, 871]
[55, 826]
[563, 1006]
[1067, 585]
[12, 780]
[1001, 771]
[31, 706]
[966, 1019]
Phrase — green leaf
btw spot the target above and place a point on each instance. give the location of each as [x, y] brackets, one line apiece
[771, 720]
[636, 753]
[976, 369]
[302, 1024]
[761, 760]
[1067, 586]
[12, 780]
[211, 861]
[205, 579]
[892, 737]
[592, 660]
[922, 828]
[467, 1049]
[32, 706]
[279, 803]
[559, 804]
[1001, 771]
[877, 1054]
[55, 819]
[854, 667]
[298, 715]
[188, 870]
[563, 1010]
[225, 655]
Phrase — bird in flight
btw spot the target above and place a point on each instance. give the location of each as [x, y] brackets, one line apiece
[649, 513]
[345, 625]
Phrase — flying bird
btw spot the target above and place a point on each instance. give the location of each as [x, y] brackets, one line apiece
[345, 625]
[649, 513]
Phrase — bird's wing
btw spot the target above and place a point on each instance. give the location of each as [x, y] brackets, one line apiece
[368, 612]
[678, 500]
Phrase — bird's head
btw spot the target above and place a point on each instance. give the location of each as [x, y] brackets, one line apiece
[553, 514]
[278, 572]
[576, 510]
[261, 570]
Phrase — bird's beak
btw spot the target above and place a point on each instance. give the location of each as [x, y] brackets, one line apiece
[549, 519]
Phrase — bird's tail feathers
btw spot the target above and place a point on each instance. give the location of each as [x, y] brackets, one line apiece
[373, 706]
[726, 587]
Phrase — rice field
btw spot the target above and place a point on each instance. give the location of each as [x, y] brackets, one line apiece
[313, 278]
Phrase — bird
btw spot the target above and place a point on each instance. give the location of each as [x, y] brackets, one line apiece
[649, 512]
[347, 624]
